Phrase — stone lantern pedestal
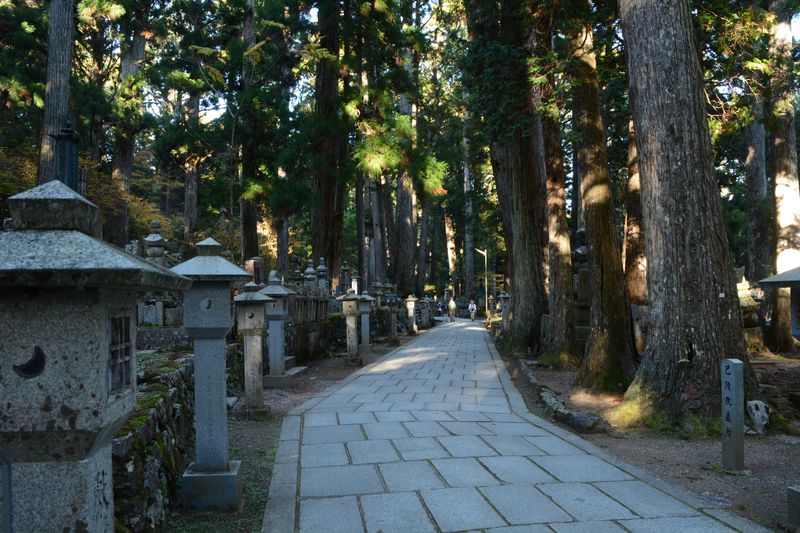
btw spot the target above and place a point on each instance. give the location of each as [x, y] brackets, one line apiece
[364, 309]
[350, 303]
[251, 320]
[212, 481]
[67, 357]
[411, 307]
[281, 367]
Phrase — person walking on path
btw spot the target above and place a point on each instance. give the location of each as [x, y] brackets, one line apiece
[451, 308]
[472, 310]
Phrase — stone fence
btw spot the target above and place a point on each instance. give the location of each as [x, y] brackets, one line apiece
[151, 450]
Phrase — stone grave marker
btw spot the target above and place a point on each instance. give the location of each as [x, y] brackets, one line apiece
[732, 376]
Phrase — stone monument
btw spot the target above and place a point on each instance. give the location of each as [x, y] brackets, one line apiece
[350, 303]
[251, 320]
[67, 357]
[212, 481]
[364, 308]
[505, 309]
[277, 314]
[391, 303]
[732, 377]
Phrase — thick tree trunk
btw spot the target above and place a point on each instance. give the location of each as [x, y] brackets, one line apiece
[609, 362]
[561, 349]
[282, 231]
[759, 206]
[247, 206]
[452, 258]
[695, 319]
[329, 188]
[503, 193]
[387, 222]
[406, 237]
[56, 93]
[361, 231]
[469, 254]
[784, 168]
[378, 246]
[633, 248]
[423, 246]
[576, 203]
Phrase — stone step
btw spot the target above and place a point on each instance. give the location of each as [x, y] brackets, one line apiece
[289, 362]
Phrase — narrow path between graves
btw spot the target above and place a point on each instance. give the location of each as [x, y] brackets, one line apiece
[434, 437]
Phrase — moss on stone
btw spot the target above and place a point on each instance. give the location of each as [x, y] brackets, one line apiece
[559, 359]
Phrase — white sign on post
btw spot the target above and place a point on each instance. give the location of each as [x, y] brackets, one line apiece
[732, 375]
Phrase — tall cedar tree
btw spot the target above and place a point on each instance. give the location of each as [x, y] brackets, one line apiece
[693, 299]
[609, 362]
[784, 167]
[633, 258]
[56, 96]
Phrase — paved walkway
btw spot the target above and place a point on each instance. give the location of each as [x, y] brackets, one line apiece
[434, 437]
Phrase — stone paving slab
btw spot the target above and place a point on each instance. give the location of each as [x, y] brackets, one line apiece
[435, 438]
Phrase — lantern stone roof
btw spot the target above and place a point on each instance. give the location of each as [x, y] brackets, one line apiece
[209, 266]
[275, 288]
[250, 294]
[366, 297]
[790, 278]
[349, 296]
[54, 243]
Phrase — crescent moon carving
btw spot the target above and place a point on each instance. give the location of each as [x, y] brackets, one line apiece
[33, 366]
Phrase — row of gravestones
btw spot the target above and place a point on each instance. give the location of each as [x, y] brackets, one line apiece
[68, 319]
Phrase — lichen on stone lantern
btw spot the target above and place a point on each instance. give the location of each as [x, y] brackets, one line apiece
[68, 358]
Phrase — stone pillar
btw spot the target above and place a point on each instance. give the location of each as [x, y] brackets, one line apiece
[411, 303]
[212, 481]
[310, 278]
[322, 277]
[364, 308]
[277, 314]
[67, 358]
[732, 381]
[354, 282]
[391, 302]
[505, 309]
[351, 313]
[250, 319]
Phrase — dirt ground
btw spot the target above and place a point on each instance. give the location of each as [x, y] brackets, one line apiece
[255, 441]
[773, 460]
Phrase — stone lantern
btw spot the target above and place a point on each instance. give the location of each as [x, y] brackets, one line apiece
[344, 281]
[505, 308]
[364, 308]
[350, 304]
[491, 307]
[155, 244]
[426, 311]
[411, 307]
[277, 314]
[212, 481]
[251, 321]
[322, 276]
[392, 303]
[67, 358]
[310, 277]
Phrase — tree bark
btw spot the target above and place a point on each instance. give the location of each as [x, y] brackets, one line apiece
[450, 237]
[361, 231]
[247, 206]
[759, 205]
[633, 256]
[424, 224]
[329, 188]
[406, 238]
[469, 254]
[60, 29]
[561, 349]
[694, 307]
[784, 168]
[609, 362]
[378, 246]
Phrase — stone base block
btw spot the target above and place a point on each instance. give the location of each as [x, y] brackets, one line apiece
[284, 381]
[221, 491]
[364, 349]
[793, 505]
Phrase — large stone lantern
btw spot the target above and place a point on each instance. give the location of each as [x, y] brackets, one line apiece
[411, 307]
[350, 305]
[505, 309]
[67, 358]
[212, 481]
[277, 315]
[251, 322]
